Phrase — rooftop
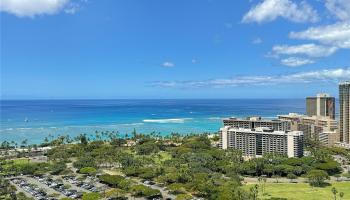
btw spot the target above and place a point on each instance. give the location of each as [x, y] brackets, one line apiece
[264, 131]
[253, 118]
[345, 83]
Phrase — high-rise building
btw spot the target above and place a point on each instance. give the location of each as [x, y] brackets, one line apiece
[256, 122]
[317, 128]
[259, 141]
[344, 111]
[321, 105]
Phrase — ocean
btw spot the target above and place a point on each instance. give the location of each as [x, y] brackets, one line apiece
[36, 119]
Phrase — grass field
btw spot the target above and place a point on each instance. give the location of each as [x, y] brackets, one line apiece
[163, 156]
[301, 191]
[21, 161]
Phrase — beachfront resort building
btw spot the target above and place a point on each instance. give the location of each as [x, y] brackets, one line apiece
[344, 111]
[318, 128]
[256, 142]
[256, 122]
[321, 105]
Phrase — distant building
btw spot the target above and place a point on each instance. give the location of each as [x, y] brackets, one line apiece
[318, 128]
[329, 138]
[259, 141]
[256, 122]
[293, 118]
[321, 105]
[344, 108]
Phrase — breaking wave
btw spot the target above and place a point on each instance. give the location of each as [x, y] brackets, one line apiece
[167, 121]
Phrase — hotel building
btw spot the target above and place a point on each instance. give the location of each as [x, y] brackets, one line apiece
[318, 128]
[344, 111]
[256, 142]
[256, 122]
[321, 105]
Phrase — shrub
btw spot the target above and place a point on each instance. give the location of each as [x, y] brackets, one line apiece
[86, 161]
[125, 184]
[88, 170]
[144, 191]
[291, 176]
[184, 197]
[91, 196]
[58, 168]
[331, 167]
[177, 188]
[111, 180]
[115, 193]
[317, 177]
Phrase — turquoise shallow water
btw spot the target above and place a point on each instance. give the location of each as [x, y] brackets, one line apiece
[36, 119]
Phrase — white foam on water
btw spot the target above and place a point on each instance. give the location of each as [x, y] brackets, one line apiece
[167, 121]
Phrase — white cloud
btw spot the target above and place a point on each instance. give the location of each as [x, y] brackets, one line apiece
[269, 10]
[72, 8]
[194, 61]
[327, 75]
[311, 50]
[335, 35]
[168, 64]
[339, 8]
[296, 62]
[257, 41]
[31, 8]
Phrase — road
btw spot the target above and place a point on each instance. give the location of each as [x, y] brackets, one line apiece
[164, 192]
[250, 180]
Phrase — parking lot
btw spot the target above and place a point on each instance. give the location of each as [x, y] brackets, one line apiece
[54, 187]
[48, 187]
[31, 189]
[58, 186]
[82, 185]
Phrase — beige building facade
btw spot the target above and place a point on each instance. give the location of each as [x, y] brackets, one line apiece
[318, 128]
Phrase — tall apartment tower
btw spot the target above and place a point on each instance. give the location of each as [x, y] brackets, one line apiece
[321, 105]
[344, 110]
[259, 141]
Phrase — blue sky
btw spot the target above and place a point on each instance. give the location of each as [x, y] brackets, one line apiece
[173, 48]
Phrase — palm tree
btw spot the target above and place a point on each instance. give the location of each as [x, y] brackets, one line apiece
[24, 142]
[46, 140]
[134, 134]
[254, 191]
[12, 143]
[29, 152]
[334, 191]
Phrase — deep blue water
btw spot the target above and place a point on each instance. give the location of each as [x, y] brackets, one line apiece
[36, 119]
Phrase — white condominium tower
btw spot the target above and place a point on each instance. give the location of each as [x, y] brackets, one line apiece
[344, 111]
[259, 141]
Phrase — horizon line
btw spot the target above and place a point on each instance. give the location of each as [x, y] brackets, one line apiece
[63, 99]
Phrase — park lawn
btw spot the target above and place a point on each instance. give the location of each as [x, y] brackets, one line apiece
[158, 158]
[163, 156]
[299, 191]
[113, 172]
[21, 161]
